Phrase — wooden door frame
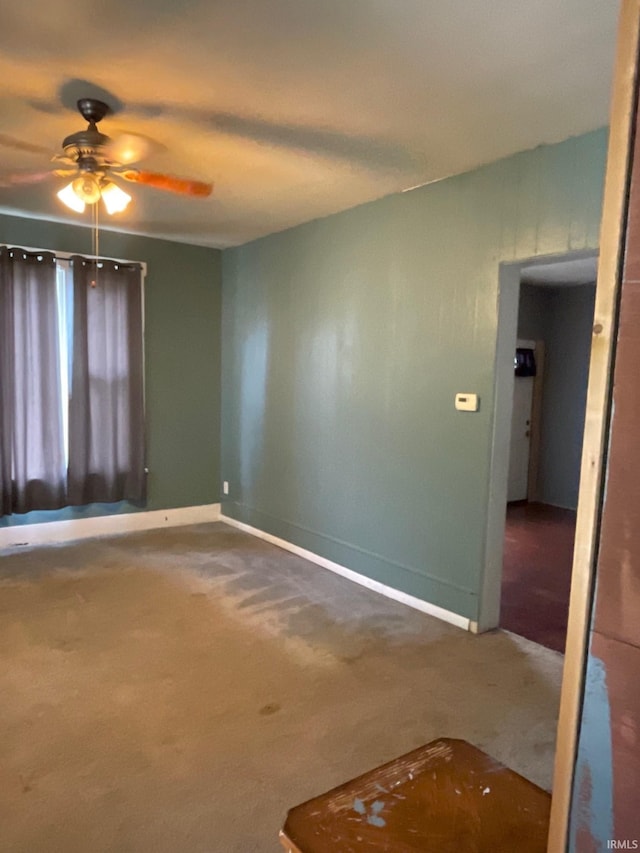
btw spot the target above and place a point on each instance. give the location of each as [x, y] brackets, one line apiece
[612, 234]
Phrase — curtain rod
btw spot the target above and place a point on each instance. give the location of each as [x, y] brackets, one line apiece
[66, 256]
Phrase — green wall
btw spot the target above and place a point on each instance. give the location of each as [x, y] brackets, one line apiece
[344, 343]
[182, 360]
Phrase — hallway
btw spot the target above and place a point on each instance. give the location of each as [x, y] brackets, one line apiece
[536, 577]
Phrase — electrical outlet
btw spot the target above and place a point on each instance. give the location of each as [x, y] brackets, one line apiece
[225, 487]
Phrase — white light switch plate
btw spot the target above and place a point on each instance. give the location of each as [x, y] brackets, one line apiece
[467, 402]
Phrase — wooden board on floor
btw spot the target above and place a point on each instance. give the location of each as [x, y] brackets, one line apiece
[445, 797]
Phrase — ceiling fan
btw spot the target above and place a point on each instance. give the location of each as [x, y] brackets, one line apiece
[92, 159]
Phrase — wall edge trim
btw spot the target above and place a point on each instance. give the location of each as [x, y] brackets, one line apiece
[351, 546]
[374, 585]
[69, 530]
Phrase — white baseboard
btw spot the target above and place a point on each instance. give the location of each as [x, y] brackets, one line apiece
[363, 580]
[50, 532]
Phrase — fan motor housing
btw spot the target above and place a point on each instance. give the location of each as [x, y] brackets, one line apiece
[88, 163]
[85, 141]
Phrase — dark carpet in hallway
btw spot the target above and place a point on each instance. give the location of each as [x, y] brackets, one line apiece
[536, 577]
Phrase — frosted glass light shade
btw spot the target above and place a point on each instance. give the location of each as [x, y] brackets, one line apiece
[115, 199]
[69, 197]
[87, 188]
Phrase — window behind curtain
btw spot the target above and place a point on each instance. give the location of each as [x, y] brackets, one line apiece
[106, 408]
[32, 461]
[64, 293]
[89, 354]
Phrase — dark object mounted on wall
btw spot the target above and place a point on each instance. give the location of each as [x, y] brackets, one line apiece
[525, 362]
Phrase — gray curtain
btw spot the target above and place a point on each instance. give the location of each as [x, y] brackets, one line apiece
[106, 410]
[32, 453]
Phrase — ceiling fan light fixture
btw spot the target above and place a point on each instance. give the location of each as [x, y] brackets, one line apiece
[89, 159]
[115, 199]
[68, 196]
[87, 188]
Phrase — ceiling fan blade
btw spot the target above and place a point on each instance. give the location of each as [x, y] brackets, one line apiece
[22, 178]
[19, 145]
[182, 186]
[127, 148]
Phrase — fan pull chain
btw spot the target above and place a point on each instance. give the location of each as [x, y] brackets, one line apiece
[95, 233]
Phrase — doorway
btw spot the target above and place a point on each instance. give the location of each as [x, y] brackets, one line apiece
[544, 339]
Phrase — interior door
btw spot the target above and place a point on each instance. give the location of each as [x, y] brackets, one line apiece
[520, 439]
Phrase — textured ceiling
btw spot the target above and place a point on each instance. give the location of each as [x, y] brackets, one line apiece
[297, 108]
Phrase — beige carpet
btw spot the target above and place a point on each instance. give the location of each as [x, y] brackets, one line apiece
[178, 690]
